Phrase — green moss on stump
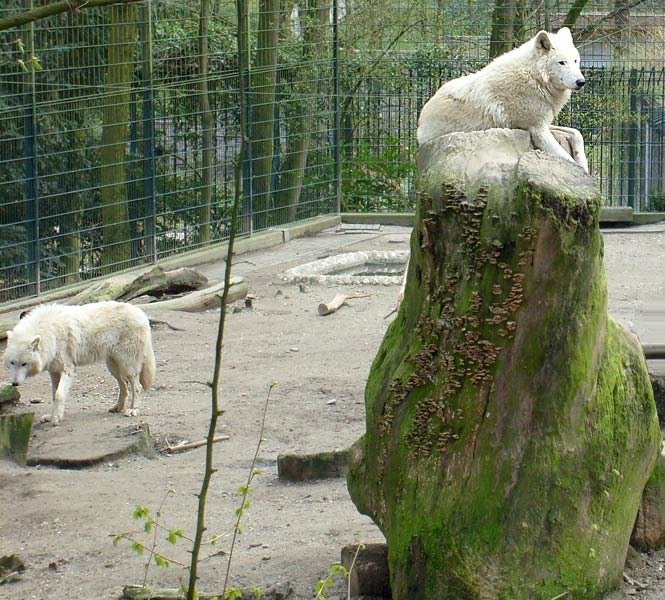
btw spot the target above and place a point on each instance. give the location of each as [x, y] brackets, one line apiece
[510, 423]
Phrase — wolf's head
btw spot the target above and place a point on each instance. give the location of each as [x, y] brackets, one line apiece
[560, 59]
[22, 357]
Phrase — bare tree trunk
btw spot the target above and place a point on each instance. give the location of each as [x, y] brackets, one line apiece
[264, 81]
[574, 12]
[503, 23]
[116, 249]
[207, 130]
[440, 21]
[315, 24]
[620, 46]
[71, 225]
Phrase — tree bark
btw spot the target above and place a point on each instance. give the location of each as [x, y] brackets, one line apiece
[71, 226]
[116, 243]
[264, 81]
[204, 211]
[503, 22]
[511, 426]
[574, 12]
[302, 121]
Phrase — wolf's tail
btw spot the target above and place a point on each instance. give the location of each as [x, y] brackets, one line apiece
[147, 375]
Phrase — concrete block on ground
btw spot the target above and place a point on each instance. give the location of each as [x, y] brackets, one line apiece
[307, 467]
[369, 574]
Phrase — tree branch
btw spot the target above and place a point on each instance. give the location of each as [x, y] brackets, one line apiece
[55, 8]
[590, 29]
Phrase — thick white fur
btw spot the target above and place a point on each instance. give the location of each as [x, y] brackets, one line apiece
[58, 338]
[522, 89]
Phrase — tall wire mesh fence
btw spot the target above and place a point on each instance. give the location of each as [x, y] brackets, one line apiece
[119, 125]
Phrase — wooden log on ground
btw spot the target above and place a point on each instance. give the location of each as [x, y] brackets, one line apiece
[206, 299]
[333, 305]
[326, 308]
[127, 286]
[367, 565]
[138, 592]
[191, 445]
[11, 567]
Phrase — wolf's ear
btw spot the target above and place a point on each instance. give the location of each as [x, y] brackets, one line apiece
[35, 343]
[564, 33]
[543, 41]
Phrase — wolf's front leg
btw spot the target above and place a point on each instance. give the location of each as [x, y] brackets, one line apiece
[543, 139]
[571, 138]
[60, 385]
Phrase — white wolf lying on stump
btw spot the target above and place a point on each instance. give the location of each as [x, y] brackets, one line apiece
[521, 89]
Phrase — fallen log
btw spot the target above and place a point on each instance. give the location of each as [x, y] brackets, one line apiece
[127, 286]
[281, 591]
[191, 445]
[206, 299]
[336, 302]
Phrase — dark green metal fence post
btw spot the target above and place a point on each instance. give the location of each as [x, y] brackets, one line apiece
[247, 187]
[337, 125]
[633, 200]
[149, 193]
[31, 165]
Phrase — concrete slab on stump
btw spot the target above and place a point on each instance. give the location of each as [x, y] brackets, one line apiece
[84, 442]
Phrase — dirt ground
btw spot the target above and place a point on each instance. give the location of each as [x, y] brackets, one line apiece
[61, 522]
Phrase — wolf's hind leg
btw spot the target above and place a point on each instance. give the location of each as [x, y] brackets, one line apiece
[137, 390]
[122, 385]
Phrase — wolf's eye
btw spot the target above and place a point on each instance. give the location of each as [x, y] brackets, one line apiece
[562, 62]
[24, 365]
[11, 362]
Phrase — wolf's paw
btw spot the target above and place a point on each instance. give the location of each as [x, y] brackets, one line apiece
[131, 412]
[50, 419]
[117, 408]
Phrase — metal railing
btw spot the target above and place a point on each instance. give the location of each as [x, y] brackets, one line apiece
[113, 152]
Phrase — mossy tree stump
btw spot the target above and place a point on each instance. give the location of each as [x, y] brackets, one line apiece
[511, 425]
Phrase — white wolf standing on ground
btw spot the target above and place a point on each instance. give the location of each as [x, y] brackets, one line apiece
[58, 338]
[521, 89]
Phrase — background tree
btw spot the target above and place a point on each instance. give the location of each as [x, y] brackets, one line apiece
[304, 92]
[116, 250]
[264, 77]
[204, 212]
